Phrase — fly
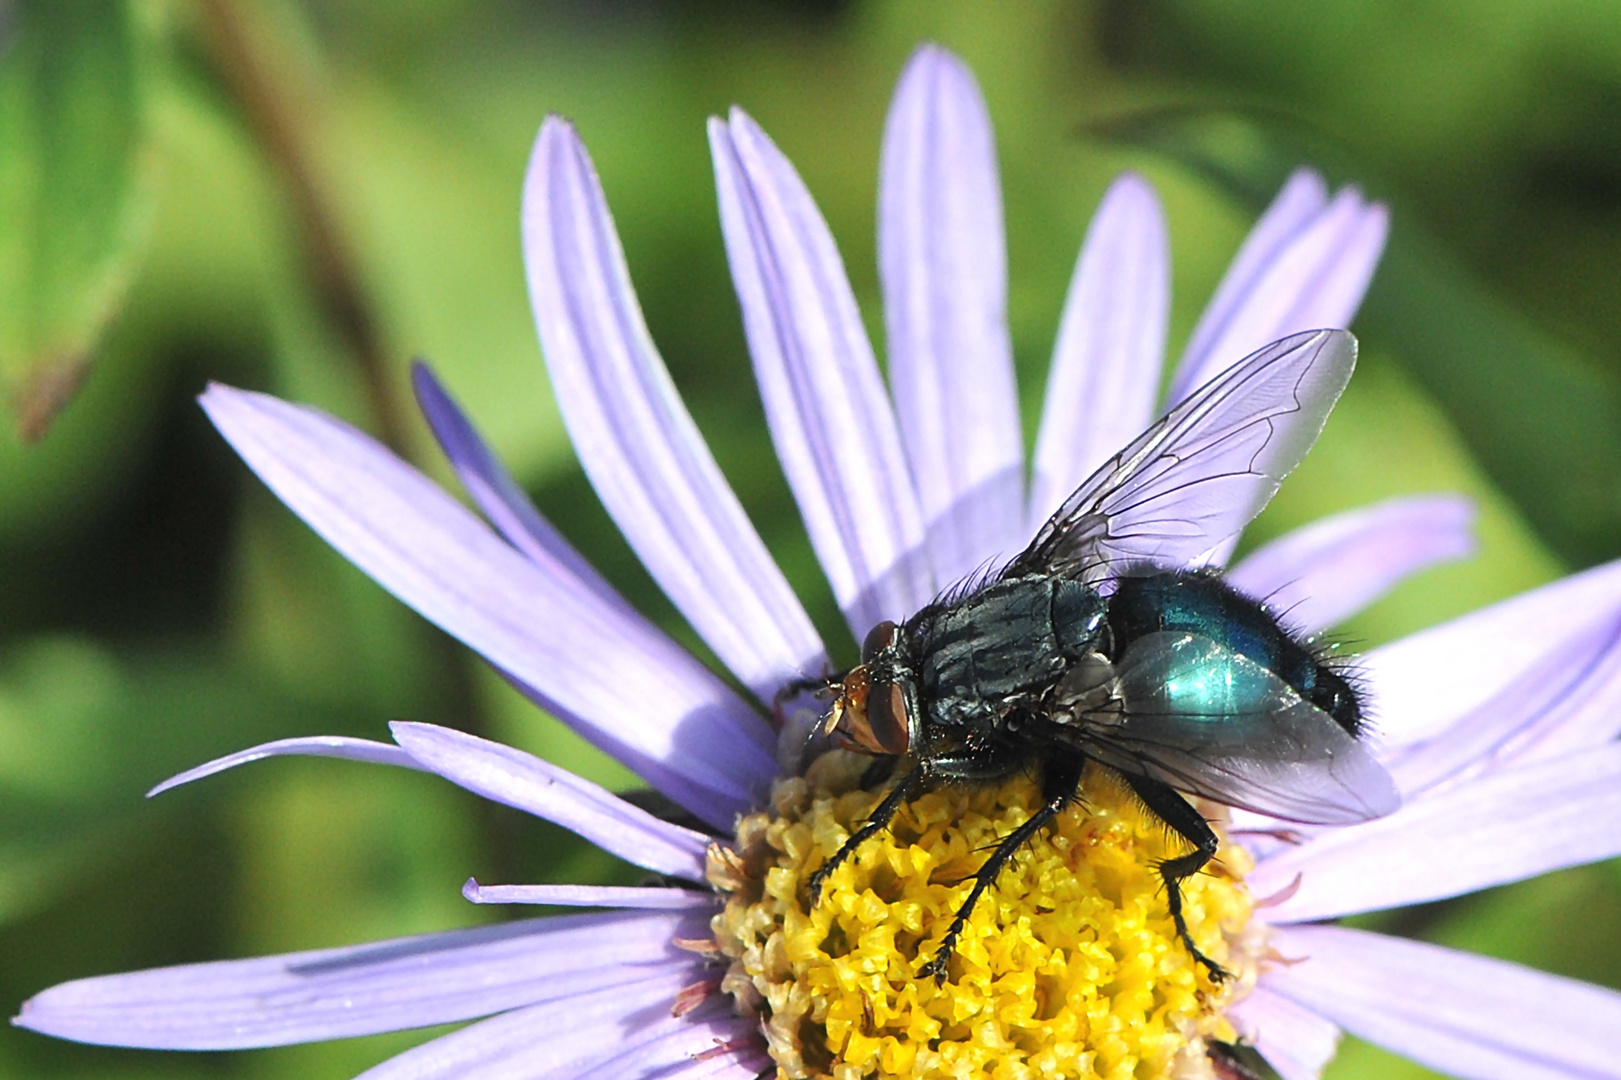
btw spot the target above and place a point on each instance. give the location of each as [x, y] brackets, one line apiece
[1096, 643]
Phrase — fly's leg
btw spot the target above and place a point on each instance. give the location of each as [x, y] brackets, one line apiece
[1187, 823]
[879, 820]
[791, 689]
[1231, 1060]
[1060, 777]
[879, 772]
[804, 684]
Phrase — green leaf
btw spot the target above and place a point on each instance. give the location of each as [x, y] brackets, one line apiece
[85, 732]
[77, 173]
[1543, 420]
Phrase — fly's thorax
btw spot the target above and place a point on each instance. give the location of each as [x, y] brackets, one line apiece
[1001, 649]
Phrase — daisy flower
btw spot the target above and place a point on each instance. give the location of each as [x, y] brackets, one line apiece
[1072, 966]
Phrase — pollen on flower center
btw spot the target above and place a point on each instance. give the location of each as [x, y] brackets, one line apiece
[1069, 966]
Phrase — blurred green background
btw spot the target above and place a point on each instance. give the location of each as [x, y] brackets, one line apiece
[299, 197]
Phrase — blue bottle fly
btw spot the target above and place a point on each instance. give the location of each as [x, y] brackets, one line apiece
[1099, 643]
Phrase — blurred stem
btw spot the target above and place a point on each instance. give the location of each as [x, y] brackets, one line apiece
[249, 71]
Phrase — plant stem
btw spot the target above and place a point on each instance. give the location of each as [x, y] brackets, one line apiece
[248, 71]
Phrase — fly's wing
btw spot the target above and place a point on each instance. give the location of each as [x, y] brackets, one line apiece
[1212, 722]
[1198, 475]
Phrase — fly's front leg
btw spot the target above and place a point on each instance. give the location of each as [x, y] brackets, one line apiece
[880, 819]
[1060, 777]
[1189, 824]
[821, 688]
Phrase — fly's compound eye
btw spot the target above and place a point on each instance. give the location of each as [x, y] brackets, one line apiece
[887, 720]
[868, 716]
[878, 639]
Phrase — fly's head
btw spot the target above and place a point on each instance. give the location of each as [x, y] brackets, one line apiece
[875, 708]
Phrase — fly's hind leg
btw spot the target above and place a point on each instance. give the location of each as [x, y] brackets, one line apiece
[1189, 824]
[875, 824]
[1060, 777]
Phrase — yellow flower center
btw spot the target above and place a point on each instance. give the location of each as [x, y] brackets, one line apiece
[1069, 967]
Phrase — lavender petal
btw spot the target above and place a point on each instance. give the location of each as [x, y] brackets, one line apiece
[1294, 1040]
[1313, 278]
[606, 896]
[333, 746]
[612, 675]
[829, 416]
[943, 262]
[1588, 713]
[492, 488]
[365, 989]
[1568, 700]
[1468, 1016]
[637, 442]
[514, 778]
[1427, 682]
[723, 1064]
[1320, 575]
[688, 1046]
[1111, 343]
[1565, 812]
[553, 1039]
[1301, 199]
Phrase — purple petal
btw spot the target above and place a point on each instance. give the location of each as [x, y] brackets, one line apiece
[697, 1044]
[1588, 712]
[617, 679]
[1111, 342]
[1425, 683]
[637, 442]
[1311, 277]
[650, 899]
[1320, 575]
[944, 266]
[1293, 1039]
[1468, 1016]
[514, 778]
[829, 416]
[333, 746]
[365, 989]
[1564, 812]
[1568, 700]
[742, 1065]
[554, 1039]
[505, 503]
[1302, 197]
[739, 1065]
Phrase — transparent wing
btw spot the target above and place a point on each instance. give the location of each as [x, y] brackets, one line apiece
[1198, 475]
[1212, 722]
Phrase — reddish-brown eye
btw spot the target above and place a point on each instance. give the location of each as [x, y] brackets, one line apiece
[887, 724]
[878, 639]
[869, 717]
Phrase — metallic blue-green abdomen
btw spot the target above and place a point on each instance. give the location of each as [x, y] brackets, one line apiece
[1217, 688]
[1203, 604]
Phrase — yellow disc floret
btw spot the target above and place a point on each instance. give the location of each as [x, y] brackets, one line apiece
[1069, 966]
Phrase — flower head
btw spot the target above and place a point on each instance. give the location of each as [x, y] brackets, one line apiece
[905, 491]
[1074, 967]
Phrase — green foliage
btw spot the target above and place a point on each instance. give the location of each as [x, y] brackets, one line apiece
[76, 176]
